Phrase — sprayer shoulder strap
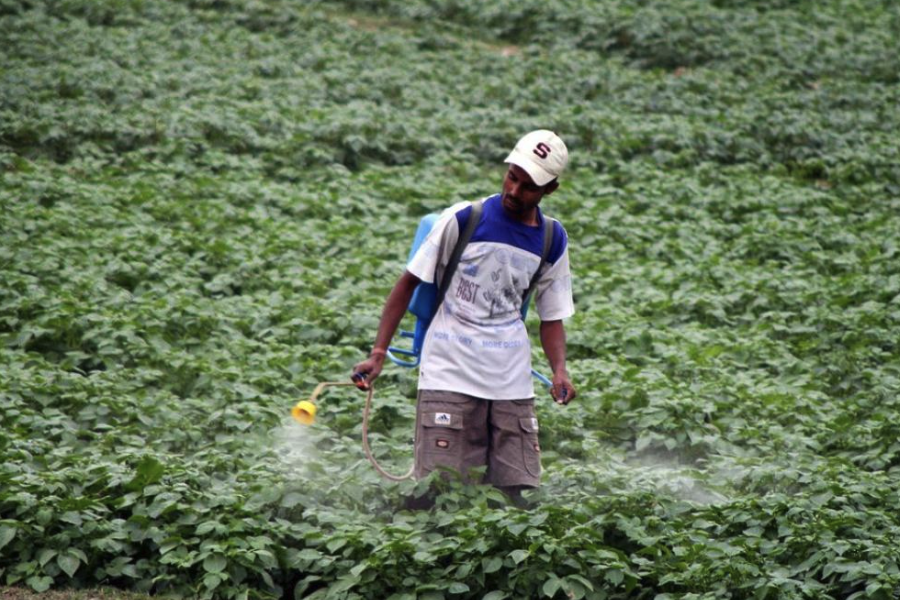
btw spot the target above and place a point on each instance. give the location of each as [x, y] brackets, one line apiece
[464, 236]
[548, 241]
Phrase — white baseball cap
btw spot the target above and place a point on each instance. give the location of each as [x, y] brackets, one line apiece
[541, 154]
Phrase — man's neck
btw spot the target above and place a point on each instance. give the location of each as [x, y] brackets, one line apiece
[529, 218]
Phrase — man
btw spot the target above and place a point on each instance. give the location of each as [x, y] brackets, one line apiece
[476, 397]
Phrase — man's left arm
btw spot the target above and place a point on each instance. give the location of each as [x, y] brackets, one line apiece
[553, 340]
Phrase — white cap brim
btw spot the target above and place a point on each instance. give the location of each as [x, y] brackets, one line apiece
[537, 174]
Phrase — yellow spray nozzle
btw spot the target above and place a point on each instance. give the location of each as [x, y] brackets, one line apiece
[304, 412]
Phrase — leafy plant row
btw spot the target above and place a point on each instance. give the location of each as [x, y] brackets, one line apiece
[288, 107]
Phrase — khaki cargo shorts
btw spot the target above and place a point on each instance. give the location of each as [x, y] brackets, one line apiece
[461, 432]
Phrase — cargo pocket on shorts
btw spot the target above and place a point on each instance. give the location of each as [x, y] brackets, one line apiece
[531, 449]
[441, 440]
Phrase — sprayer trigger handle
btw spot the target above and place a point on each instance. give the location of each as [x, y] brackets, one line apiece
[360, 380]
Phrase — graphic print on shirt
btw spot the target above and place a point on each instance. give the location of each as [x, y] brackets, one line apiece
[490, 283]
[505, 297]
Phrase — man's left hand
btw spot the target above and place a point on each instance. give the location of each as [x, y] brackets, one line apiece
[562, 390]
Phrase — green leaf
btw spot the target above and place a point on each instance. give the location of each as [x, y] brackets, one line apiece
[45, 555]
[344, 583]
[614, 576]
[68, 563]
[291, 500]
[643, 442]
[148, 472]
[551, 586]
[573, 589]
[212, 580]
[518, 555]
[72, 517]
[309, 554]
[492, 564]
[587, 584]
[304, 583]
[495, 595]
[215, 563]
[7, 534]
[538, 519]
[39, 584]
[458, 588]
[206, 527]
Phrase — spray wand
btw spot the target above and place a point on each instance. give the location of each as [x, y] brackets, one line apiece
[305, 413]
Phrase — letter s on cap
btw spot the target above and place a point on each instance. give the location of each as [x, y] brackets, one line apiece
[542, 150]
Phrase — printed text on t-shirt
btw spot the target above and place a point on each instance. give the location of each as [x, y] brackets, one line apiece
[466, 290]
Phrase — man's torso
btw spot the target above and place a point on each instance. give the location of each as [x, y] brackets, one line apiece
[477, 343]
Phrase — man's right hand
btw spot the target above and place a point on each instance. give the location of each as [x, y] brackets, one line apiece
[367, 371]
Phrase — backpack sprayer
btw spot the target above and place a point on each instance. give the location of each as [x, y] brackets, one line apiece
[423, 305]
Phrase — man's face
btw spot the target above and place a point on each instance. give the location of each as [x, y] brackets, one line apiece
[520, 194]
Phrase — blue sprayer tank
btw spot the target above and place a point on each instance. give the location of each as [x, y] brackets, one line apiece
[422, 304]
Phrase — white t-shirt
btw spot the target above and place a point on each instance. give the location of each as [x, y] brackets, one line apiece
[477, 343]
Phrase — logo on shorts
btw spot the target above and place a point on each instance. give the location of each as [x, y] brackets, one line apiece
[534, 423]
[442, 418]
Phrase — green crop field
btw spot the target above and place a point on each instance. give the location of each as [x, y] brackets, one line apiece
[203, 204]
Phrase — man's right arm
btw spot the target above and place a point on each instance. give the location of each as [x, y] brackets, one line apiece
[391, 315]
